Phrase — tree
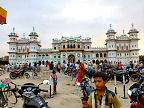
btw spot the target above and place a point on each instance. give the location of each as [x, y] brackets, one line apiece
[141, 58]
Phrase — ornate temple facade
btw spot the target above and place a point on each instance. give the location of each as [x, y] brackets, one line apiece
[123, 48]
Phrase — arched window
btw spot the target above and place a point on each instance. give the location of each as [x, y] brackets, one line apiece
[68, 46]
[97, 55]
[100, 54]
[105, 55]
[84, 56]
[78, 46]
[88, 47]
[63, 46]
[74, 46]
[122, 48]
[117, 47]
[126, 47]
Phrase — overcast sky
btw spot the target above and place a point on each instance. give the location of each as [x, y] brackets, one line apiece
[57, 18]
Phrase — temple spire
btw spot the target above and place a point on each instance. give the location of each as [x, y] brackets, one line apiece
[123, 31]
[110, 25]
[33, 28]
[13, 29]
[23, 35]
[132, 25]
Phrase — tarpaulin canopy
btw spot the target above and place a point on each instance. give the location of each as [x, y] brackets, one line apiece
[3, 15]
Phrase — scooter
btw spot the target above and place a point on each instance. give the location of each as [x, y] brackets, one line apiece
[19, 73]
[136, 94]
[30, 93]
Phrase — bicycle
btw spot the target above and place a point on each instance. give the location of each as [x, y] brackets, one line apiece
[2, 97]
[35, 73]
[9, 93]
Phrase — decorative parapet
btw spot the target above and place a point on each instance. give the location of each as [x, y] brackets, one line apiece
[71, 49]
[122, 37]
[99, 49]
[71, 38]
[45, 50]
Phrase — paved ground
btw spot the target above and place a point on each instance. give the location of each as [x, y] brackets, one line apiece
[68, 96]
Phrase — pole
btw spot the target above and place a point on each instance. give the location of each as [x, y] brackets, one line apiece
[50, 88]
[25, 79]
[124, 97]
[115, 84]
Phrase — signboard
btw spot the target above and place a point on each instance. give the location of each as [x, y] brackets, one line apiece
[3, 14]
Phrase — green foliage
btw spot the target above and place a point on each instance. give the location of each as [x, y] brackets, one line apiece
[141, 58]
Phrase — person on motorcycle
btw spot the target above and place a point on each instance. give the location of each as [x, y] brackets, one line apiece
[102, 97]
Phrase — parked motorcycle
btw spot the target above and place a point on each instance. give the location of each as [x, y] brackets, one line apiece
[86, 88]
[135, 77]
[133, 71]
[136, 94]
[119, 75]
[70, 71]
[20, 73]
[30, 93]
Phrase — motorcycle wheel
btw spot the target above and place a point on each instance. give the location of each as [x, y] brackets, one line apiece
[12, 76]
[134, 78]
[126, 79]
[27, 75]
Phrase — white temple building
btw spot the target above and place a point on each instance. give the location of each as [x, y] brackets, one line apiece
[123, 48]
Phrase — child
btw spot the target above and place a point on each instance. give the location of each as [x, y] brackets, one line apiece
[101, 97]
[54, 77]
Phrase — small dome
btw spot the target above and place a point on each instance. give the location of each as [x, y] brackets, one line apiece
[133, 29]
[33, 33]
[13, 32]
[123, 34]
[111, 30]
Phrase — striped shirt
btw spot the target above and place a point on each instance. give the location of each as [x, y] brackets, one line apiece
[108, 100]
[54, 78]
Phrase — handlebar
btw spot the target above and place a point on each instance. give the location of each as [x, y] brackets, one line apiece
[43, 90]
[14, 89]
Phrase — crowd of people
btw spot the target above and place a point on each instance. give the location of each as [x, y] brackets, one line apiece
[102, 96]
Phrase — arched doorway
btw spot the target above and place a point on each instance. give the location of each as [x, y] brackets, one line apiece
[71, 59]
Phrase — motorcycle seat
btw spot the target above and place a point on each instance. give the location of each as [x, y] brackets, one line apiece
[117, 72]
[16, 72]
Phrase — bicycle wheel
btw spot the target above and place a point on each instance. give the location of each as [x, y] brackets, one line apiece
[27, 75]
[10, 96]
[35, 75]
[2, 100]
